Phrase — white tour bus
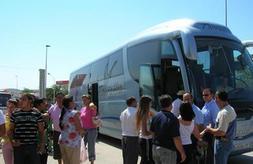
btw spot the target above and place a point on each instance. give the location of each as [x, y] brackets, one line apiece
[172, 56]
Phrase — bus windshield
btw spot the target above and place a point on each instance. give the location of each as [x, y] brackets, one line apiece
[222, 65]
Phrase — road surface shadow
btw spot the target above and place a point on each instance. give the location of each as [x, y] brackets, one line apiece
[242, 159]
[239, 159]
[109, 140]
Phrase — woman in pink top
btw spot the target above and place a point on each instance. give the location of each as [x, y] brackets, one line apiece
[88, 119]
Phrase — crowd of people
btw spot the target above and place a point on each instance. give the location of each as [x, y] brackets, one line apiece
[180, 132]
[29, 125]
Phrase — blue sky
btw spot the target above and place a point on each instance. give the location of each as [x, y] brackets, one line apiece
[79, 31]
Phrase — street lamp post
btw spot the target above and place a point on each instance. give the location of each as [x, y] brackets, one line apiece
[16, 81]
[226, 12]
[46, 71]
[53, 86]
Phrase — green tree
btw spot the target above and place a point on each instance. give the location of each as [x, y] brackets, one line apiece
[54, 90]
[26, 90]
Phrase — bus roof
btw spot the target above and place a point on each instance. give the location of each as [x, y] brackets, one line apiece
[175, 27]
[172, 29]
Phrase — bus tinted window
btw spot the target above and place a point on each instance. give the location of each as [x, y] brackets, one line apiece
[167, 49]
[147, 52]
[115, 64]
[99, 69]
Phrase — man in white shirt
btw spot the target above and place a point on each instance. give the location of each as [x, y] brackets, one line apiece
[177, 103]
[130, 148]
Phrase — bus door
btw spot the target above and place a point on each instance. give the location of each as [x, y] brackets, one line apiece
[149, 82]
[171, 77]
[93, 91]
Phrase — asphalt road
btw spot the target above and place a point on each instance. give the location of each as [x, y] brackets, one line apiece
[108, 152]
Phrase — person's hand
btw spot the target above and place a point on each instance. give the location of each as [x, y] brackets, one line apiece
[202, 133]
[93, 106]
[82, 132]
[183, 157]
[208, 129]
[209, 126]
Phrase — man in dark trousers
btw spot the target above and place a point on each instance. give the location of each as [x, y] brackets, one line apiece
[130, 144]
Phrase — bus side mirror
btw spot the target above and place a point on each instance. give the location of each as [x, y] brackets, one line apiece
[189, 46]
[248, 45]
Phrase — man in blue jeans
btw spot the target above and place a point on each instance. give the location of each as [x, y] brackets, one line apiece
[225, 128]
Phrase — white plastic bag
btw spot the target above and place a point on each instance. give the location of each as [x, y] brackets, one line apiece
[83, 152]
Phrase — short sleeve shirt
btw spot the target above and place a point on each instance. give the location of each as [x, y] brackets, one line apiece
[210, 111]
[86, 117]
[128, 122]
[175, 106]
[199, 117]
[26, 125]
[165, 127]
[69, 135]
[225, 117]
[55, 112]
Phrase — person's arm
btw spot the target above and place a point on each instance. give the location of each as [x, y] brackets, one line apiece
[214, 112]
[2, 130]
[78, 123]
[175, 134]
[179, 147]
[201, 126]
[215, 132]
[95, 120]
[196, 133]
[152, 127]
[10, 133]
[41, 131]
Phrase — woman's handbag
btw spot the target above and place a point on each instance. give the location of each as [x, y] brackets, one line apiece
[97, 122]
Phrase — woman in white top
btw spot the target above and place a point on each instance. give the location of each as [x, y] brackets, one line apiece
[187, 128]
[143, 119]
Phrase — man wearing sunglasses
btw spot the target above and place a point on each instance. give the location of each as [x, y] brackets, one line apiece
[210, 111]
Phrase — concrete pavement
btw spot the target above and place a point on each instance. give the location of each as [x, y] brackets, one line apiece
[109, 152]
[106, 154]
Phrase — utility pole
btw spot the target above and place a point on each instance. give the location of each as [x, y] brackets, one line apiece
[226, 11]
[45, 92]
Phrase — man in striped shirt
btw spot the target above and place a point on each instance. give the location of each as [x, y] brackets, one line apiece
[26, 125]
